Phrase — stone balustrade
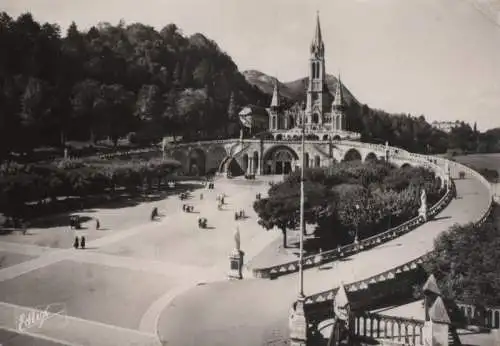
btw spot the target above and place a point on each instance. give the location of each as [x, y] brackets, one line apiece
[487, 317]
[351, 249]
[491, 316]
[388, 329]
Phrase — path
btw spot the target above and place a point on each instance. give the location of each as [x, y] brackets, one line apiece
[255, 312]
[115, 290]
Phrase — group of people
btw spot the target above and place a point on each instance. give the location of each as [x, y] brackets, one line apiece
[184, 195]
[187, 208]
[210, 185]
[258, 196]
[202, 222]
[239, 215]
[79, 242]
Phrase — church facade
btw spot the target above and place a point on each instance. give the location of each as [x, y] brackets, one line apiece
[323, 114]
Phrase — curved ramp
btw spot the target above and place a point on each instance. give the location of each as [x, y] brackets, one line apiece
[255, 312]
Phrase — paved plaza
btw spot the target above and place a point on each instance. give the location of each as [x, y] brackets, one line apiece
[166, 280]
[130, 270]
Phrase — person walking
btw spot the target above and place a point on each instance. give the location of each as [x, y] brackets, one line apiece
[75, 244]
[82, 243]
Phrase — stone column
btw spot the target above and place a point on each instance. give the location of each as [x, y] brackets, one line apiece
[436, 329]
[298, 324]
[431, 292]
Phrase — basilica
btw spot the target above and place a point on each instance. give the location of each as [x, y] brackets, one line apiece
[323, 113]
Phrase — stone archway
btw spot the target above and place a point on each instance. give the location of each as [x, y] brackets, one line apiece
[244, 163]
[371, 157]
[255, 162]
[405, 165]
[279, 160]
[336, 138]
[216, 155]
[352, 155]
[197, 162]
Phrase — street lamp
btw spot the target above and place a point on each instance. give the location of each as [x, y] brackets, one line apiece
[357, 225]
[301, 237]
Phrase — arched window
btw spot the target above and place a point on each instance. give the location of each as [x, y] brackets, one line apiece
[315, 118]
[317, 161]
[306, 160]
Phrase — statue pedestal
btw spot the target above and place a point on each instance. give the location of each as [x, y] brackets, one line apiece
[423, 212]
[236, 264]
[298, 324]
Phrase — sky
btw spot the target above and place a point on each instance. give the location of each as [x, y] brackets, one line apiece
[439, 58]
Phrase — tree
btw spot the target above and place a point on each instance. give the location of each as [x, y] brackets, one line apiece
[85, 100]
[279, 210]
[115, 107]
[465, 263]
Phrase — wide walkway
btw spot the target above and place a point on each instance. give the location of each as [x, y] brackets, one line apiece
[255, 312]
[114, 291]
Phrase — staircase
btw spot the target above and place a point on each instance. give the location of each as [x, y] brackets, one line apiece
[453, 338]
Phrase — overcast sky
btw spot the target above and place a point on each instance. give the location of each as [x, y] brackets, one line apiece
[440, 58]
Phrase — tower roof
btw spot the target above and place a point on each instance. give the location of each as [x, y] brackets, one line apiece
[275, 101]
[317, 45]
[338, 101]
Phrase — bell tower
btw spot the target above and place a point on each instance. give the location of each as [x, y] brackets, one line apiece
[314, 105]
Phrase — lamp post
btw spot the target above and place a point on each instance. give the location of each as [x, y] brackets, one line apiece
[302, 228]
[357, 226]
[298, 320]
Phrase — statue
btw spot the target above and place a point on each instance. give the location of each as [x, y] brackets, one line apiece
[241, 134]
[423, 198]
[422, 211]
[237, 240]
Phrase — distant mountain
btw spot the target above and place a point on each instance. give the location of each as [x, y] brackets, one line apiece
[295, 90]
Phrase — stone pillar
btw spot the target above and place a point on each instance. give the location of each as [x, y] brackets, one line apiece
[298, 324]
[437, 328]
[250, 165]
[431, 293]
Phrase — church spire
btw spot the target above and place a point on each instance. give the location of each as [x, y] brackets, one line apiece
[338, 101]
[317, 46]
[275, 101]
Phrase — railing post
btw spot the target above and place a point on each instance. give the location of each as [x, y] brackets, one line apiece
[436, 329]
[431, 292]
[298, 324]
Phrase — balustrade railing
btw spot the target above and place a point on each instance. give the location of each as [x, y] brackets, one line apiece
[397, 330]
[351, 249]
[487, 317]
[491, 316]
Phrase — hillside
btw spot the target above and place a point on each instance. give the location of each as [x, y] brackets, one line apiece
[294, 90]
[113, 81]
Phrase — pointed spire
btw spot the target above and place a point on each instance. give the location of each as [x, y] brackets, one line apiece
[341, 303]
[275, 101]
[338, 101]
[431, 286]
[317, 45]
